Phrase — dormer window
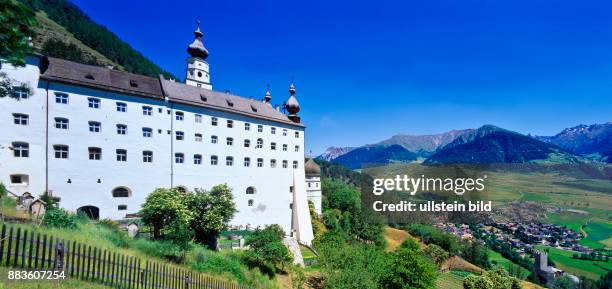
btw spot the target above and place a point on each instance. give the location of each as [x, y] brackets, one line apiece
[253, 108]
[203, 97]
[90, 77]
[230, 103]
[133, 83]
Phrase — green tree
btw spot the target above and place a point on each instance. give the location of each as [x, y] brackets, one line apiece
[497, 278]
[213, 210]
[563, 282]
[166, 211]
[437, 254]
[16, 22]
[410, 269]
[266, 250]
[350, 266]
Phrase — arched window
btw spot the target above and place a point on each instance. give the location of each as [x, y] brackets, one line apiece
[122, 192]
[250, 190]
[259, 143]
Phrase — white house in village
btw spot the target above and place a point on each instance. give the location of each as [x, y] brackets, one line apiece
[102, 140]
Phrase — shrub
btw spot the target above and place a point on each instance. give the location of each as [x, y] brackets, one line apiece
[267, 251]
[60, 219]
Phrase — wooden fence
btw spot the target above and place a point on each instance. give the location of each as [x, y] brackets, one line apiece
[20, 249]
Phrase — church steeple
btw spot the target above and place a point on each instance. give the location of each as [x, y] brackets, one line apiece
[196, 48]
[292, 106]
[197, 67]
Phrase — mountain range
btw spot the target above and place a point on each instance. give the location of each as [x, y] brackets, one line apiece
[487, 144]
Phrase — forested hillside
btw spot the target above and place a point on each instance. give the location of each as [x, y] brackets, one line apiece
[99, 45]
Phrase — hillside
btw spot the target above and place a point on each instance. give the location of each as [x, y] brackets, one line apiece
[377, 155]
[585, 140]
[65, 31]
[490, 144]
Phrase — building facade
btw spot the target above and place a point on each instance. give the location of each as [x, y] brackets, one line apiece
[102, 140]
[313, 184]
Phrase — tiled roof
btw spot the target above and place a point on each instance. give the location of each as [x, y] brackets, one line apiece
[192, 95]
[99, 77]
[70, 72]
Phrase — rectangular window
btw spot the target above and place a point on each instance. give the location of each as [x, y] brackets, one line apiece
[284, 132]
[198, 137]
[272, 130]
[259, 143]
[284, 147]
[197, 159]
[247, 143]
[229, 161]
[147, 156]
[61, 123]
[273, 146]
[295, 164]
[229, 141]
[20, 92]
[285, 165]
[214, 121]
[198, 118]
[230, 123]
[20, 119]
[213, 139]
[121, 155]
[259, 128]
[297, 148]
[121, 129]
[297, 134]
[251, 203]
[259, 162]
[272, 163]
[61, 98]
[95, 153]
[247, 126]
[147, 110]
[121, 107]
[247, 162]
[61, 151]
[95, 126]
[179, 158]
[180, 135]
[17, 179]
[179, 115]
[147, 132]
[122, 207]
[214, 160]
[93, 102]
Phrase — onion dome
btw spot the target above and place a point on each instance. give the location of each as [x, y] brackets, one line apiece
[268, 96]
[196, 48]
[311, 168]
[292, 105]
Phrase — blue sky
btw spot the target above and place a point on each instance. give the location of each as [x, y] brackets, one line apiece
[366, 70]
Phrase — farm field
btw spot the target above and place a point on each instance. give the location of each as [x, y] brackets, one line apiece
[587, 268]
[451, 280]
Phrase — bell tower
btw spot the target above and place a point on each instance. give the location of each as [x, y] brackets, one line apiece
[197, 67]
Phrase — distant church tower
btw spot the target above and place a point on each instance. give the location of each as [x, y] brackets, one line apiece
[197, 67]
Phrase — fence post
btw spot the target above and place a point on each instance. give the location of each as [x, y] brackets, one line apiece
[2, 237]
[17, 239]
[49, 259]
[23, 248]
[187, 282]
[29, 251]
[8, 249]
[58, 263]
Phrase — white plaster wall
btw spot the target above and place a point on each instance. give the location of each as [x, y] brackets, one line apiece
[313, 191]
[33, 133]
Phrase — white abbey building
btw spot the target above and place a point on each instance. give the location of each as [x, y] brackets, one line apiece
[102, 140]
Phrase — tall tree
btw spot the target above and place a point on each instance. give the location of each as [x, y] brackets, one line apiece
[213, 210]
